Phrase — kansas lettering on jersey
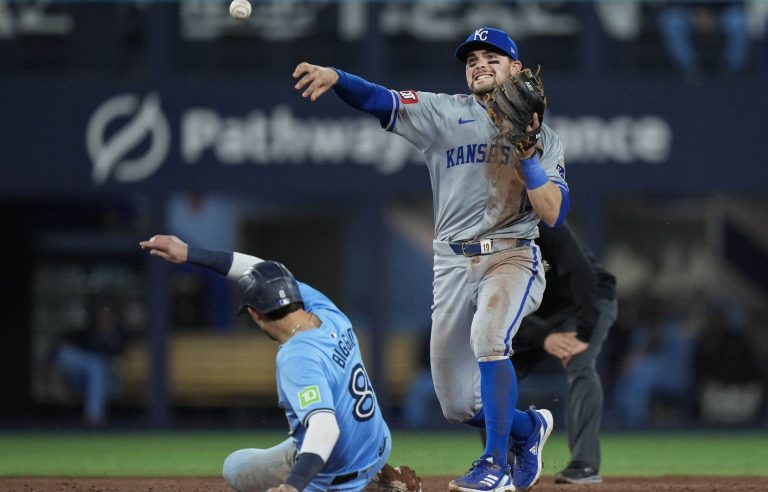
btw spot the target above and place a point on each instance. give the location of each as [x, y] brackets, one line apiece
[321, 370]
[476, 153]
[477, 191]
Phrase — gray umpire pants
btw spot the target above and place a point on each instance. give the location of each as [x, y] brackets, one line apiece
[584, 402]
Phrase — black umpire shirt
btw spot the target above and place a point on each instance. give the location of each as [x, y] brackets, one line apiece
[575, 281]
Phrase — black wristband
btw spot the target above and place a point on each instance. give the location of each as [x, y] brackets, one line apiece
[307, 466]
[218, 261]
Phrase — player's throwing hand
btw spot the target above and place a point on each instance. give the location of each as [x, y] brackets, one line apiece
[169, 248]
[320, 79]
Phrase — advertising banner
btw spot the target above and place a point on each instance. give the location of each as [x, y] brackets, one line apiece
[229, 134]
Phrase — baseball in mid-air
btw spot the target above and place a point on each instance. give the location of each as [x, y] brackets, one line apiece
[240, 9]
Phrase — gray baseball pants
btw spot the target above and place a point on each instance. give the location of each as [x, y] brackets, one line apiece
[478, 305]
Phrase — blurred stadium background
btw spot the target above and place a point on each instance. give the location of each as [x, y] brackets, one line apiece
[124, 119]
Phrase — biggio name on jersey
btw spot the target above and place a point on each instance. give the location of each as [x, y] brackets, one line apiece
[344, 347]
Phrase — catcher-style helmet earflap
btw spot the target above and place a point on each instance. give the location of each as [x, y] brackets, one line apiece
[266, 287]
[487, 37]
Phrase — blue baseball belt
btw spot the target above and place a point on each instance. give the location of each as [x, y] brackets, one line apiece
[487, 246]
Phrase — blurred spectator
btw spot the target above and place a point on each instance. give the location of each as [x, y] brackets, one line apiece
[658, 363]
[85, 359]
[421, 409]
[679, 20]
[212, 220]
[729, 380]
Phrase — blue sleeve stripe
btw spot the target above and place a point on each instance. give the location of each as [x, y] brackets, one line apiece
[393, 116]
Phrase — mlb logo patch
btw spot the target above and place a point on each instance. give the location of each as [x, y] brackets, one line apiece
[408, 97]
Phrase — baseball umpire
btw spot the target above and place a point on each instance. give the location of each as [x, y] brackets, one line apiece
[577, 311]
[339, 440]
[496, 171]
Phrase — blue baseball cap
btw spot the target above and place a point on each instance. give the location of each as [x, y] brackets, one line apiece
[487, 37]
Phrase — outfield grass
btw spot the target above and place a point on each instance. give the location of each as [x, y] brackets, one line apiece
[202, 453]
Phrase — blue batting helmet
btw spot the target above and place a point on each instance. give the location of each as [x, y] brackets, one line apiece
[486, 37]
[266, 287]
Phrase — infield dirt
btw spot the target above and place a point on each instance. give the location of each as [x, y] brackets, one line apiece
[430, 484]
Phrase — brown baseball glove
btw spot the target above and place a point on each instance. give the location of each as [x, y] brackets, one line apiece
[395, 479]
[512, 104]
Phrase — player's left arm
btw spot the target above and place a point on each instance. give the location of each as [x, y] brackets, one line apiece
[319, 441]
[306, 387]
[544, 175]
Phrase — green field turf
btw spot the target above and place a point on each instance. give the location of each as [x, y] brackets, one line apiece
[202, 453]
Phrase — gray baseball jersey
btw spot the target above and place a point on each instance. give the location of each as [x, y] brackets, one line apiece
[475, 196]
[478, 193]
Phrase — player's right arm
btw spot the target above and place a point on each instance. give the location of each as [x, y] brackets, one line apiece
[231, 264]
[300, 374]
[321, 437]
[314, 79]
[413, 115]
[357, 92]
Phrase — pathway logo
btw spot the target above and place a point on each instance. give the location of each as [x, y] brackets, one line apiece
[112, 151]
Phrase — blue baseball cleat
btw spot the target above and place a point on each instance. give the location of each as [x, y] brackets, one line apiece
[484, 476]
[527, 469]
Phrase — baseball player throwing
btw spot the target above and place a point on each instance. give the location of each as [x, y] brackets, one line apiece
[339, 440]
[488, 199]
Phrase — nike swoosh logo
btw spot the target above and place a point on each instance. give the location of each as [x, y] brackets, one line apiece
[462, 121]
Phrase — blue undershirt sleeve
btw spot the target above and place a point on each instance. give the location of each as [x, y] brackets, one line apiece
[365, 96]
[565, 206]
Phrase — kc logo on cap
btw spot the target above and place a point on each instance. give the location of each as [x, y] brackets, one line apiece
[481, 34]
[488, 37]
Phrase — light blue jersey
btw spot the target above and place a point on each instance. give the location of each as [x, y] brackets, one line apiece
[321, 370]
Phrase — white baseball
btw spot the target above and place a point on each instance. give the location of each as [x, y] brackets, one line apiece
[240, 9]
